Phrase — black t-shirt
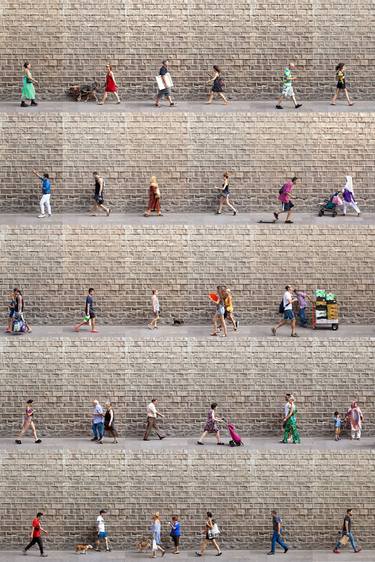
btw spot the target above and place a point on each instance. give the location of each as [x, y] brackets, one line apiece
[348, 519]
[163, 71]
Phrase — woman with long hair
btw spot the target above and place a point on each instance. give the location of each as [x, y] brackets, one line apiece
[341, 84]
[217, 86]
[154, 196]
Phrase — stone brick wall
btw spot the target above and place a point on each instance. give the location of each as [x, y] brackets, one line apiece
[312, 492]
[251, 40]
[55, 265]
[188, 153]
[247, 377]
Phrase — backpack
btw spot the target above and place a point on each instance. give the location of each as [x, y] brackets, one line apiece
[281, 190]
[281, 306]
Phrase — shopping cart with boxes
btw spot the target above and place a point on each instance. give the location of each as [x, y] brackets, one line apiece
[325, 310]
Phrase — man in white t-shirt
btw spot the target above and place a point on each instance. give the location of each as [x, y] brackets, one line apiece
[287, 310]
[152, 415]
[102, 533]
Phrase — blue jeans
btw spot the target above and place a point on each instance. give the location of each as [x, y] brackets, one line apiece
[352, 542]
[276, 538]
[302, 316]
[98, 430]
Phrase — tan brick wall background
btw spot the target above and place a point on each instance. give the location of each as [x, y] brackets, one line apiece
[247, 377]
[55, 265]
[71, 487]
[188, 153]
[250, 39]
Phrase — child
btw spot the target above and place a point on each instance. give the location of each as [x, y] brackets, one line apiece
[175, 533]
[341, 84]
[155, 310]
[338, 425]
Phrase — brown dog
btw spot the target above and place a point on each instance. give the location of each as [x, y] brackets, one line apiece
[144, 544]
[83, 548]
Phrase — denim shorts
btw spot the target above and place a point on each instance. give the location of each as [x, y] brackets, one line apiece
[102, 535]
[288, 315]
[220, 311]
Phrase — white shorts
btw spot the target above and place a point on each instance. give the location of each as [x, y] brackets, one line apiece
[287, 91]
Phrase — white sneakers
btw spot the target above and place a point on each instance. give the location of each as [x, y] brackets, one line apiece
[44, 216]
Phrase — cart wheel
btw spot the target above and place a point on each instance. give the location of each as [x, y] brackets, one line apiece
[321, 213]
[334, 214]
[335, 327]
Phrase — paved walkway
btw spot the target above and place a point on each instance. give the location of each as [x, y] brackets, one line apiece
[228, 556]
[251, 444]
[345, 331]
[196, 219]
[147, 106]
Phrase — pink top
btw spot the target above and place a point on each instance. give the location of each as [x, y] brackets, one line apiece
[287, 189]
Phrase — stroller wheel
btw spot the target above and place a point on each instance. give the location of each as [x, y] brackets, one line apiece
[321, 213]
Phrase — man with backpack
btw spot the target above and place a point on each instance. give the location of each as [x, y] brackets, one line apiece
[285, 197]
[286, 309]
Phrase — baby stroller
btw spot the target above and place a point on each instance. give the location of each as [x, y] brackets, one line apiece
[330, 205]
[236, 440]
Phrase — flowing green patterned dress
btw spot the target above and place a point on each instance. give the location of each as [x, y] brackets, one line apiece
[28, 90]
[291, 427]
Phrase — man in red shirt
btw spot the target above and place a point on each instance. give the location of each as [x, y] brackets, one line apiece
[36, 534]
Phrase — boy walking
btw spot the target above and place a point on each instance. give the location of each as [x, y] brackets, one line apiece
[287, 86]
[46, 194]
[36, 534]
[102, 533]
[90, 316]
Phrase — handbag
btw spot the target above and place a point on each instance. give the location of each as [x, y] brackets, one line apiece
[214, 532]
[344, 540]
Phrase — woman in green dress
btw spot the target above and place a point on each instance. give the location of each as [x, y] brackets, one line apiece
[28, 90]
[290, 423]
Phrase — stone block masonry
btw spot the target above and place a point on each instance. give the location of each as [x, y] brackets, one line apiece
[247, 377]
[188, 153]
[251, 40]
[55, 265]
[71, 487]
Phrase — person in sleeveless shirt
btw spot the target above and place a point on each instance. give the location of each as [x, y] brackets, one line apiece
[217, 85]
[111, 86]
[99, 196]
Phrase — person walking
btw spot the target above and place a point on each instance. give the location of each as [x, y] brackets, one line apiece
[212, 425]
[28, 423]
[166, 91]
[355, 417]
[228, 303]
[224, 195]
[111, 86]
[276, 536]
[348, 196]
[46, 194]
[286, 412]
[175, 533]
[99, 196]
[109, 422]
[28, 90]
[154, 197]
[217, 85]
[302, 298]
[219, 314]
[156, 535]
[155, 310]
[285, 198]
[152, 415]
[290, 423]
[287, 86]
[90, 315]
[36, 534]
[19, 309]
[286, 308]
[101, 532]
[97, 422]
[341, 84]
[347, 534]
[212, 533]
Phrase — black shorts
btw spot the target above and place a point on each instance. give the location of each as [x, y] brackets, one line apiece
[341, 85]
[287, 206]
[176, 540]
[92, 315]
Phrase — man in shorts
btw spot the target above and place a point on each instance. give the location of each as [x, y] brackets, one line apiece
[165, 92]
[99, 196]
[288, 314]
[287, 86]
[285, 197]
[90, 316]
[102, 533]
